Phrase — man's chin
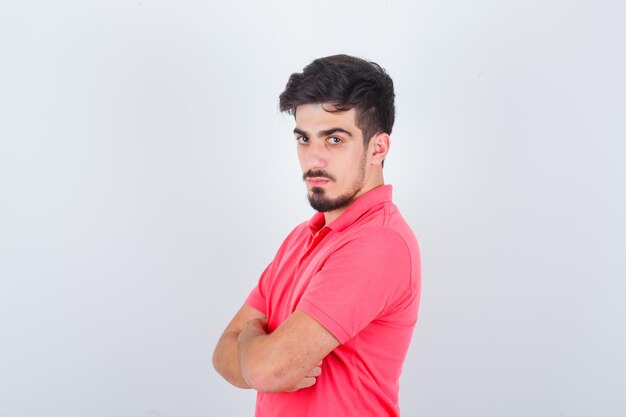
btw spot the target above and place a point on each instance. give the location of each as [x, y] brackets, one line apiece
[322, 203]
[317, 191]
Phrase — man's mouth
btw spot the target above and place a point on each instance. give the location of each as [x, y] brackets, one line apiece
[317, 178]
[317, 181]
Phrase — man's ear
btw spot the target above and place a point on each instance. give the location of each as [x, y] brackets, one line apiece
[378, 148]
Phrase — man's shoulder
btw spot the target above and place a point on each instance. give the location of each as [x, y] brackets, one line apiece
[383, 223]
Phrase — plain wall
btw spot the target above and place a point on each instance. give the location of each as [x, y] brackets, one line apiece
[147, 177]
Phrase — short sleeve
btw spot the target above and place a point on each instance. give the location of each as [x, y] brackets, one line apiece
[361, 281]
[257, 297]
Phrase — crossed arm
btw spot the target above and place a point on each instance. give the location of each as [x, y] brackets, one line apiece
[287, 359]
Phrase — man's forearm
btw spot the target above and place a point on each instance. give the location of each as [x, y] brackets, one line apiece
[248, 357]
[261, 366]
[252, 361]
[226, 359]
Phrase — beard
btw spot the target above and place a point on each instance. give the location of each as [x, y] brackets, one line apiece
[322, 203]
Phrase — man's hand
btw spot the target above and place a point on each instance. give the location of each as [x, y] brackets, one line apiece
[252, 328]
[310, 379]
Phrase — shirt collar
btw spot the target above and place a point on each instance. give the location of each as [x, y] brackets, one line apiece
[373, 197]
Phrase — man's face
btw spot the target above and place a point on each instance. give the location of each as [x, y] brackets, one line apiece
[332, 156]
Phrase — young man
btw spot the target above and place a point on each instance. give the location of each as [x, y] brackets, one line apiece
[326, 330]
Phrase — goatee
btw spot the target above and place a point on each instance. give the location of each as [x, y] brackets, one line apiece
[320, 202]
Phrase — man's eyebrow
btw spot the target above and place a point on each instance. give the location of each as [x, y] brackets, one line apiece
[329, 132]
[326, 132]
[321, 133]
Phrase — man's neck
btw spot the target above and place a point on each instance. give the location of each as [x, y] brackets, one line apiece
[330, 216]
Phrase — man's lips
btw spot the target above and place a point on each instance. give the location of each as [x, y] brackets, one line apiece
[317, 181]
[317, 178]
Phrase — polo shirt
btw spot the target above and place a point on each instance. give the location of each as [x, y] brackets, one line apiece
[360, 278]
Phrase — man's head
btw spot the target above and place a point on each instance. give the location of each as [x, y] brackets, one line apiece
[344, 111]
[346, 83]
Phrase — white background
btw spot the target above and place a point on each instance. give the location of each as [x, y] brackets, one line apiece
[147, 177]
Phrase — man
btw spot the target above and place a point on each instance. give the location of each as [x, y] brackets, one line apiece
[326, 330]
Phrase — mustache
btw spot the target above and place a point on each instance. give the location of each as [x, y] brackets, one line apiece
[317, 174]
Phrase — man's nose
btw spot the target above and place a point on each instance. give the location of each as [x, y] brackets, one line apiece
[316, 156]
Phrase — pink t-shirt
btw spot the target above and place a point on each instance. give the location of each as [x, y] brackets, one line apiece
[359, 277]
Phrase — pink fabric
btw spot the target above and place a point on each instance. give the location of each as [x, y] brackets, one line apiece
[359, 277]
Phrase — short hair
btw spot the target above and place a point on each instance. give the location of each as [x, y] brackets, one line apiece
[345, 82]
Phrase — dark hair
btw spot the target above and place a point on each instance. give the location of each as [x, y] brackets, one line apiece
[345, 82]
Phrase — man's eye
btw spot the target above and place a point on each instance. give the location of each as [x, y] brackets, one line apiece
[302, 139]
[334, 140]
